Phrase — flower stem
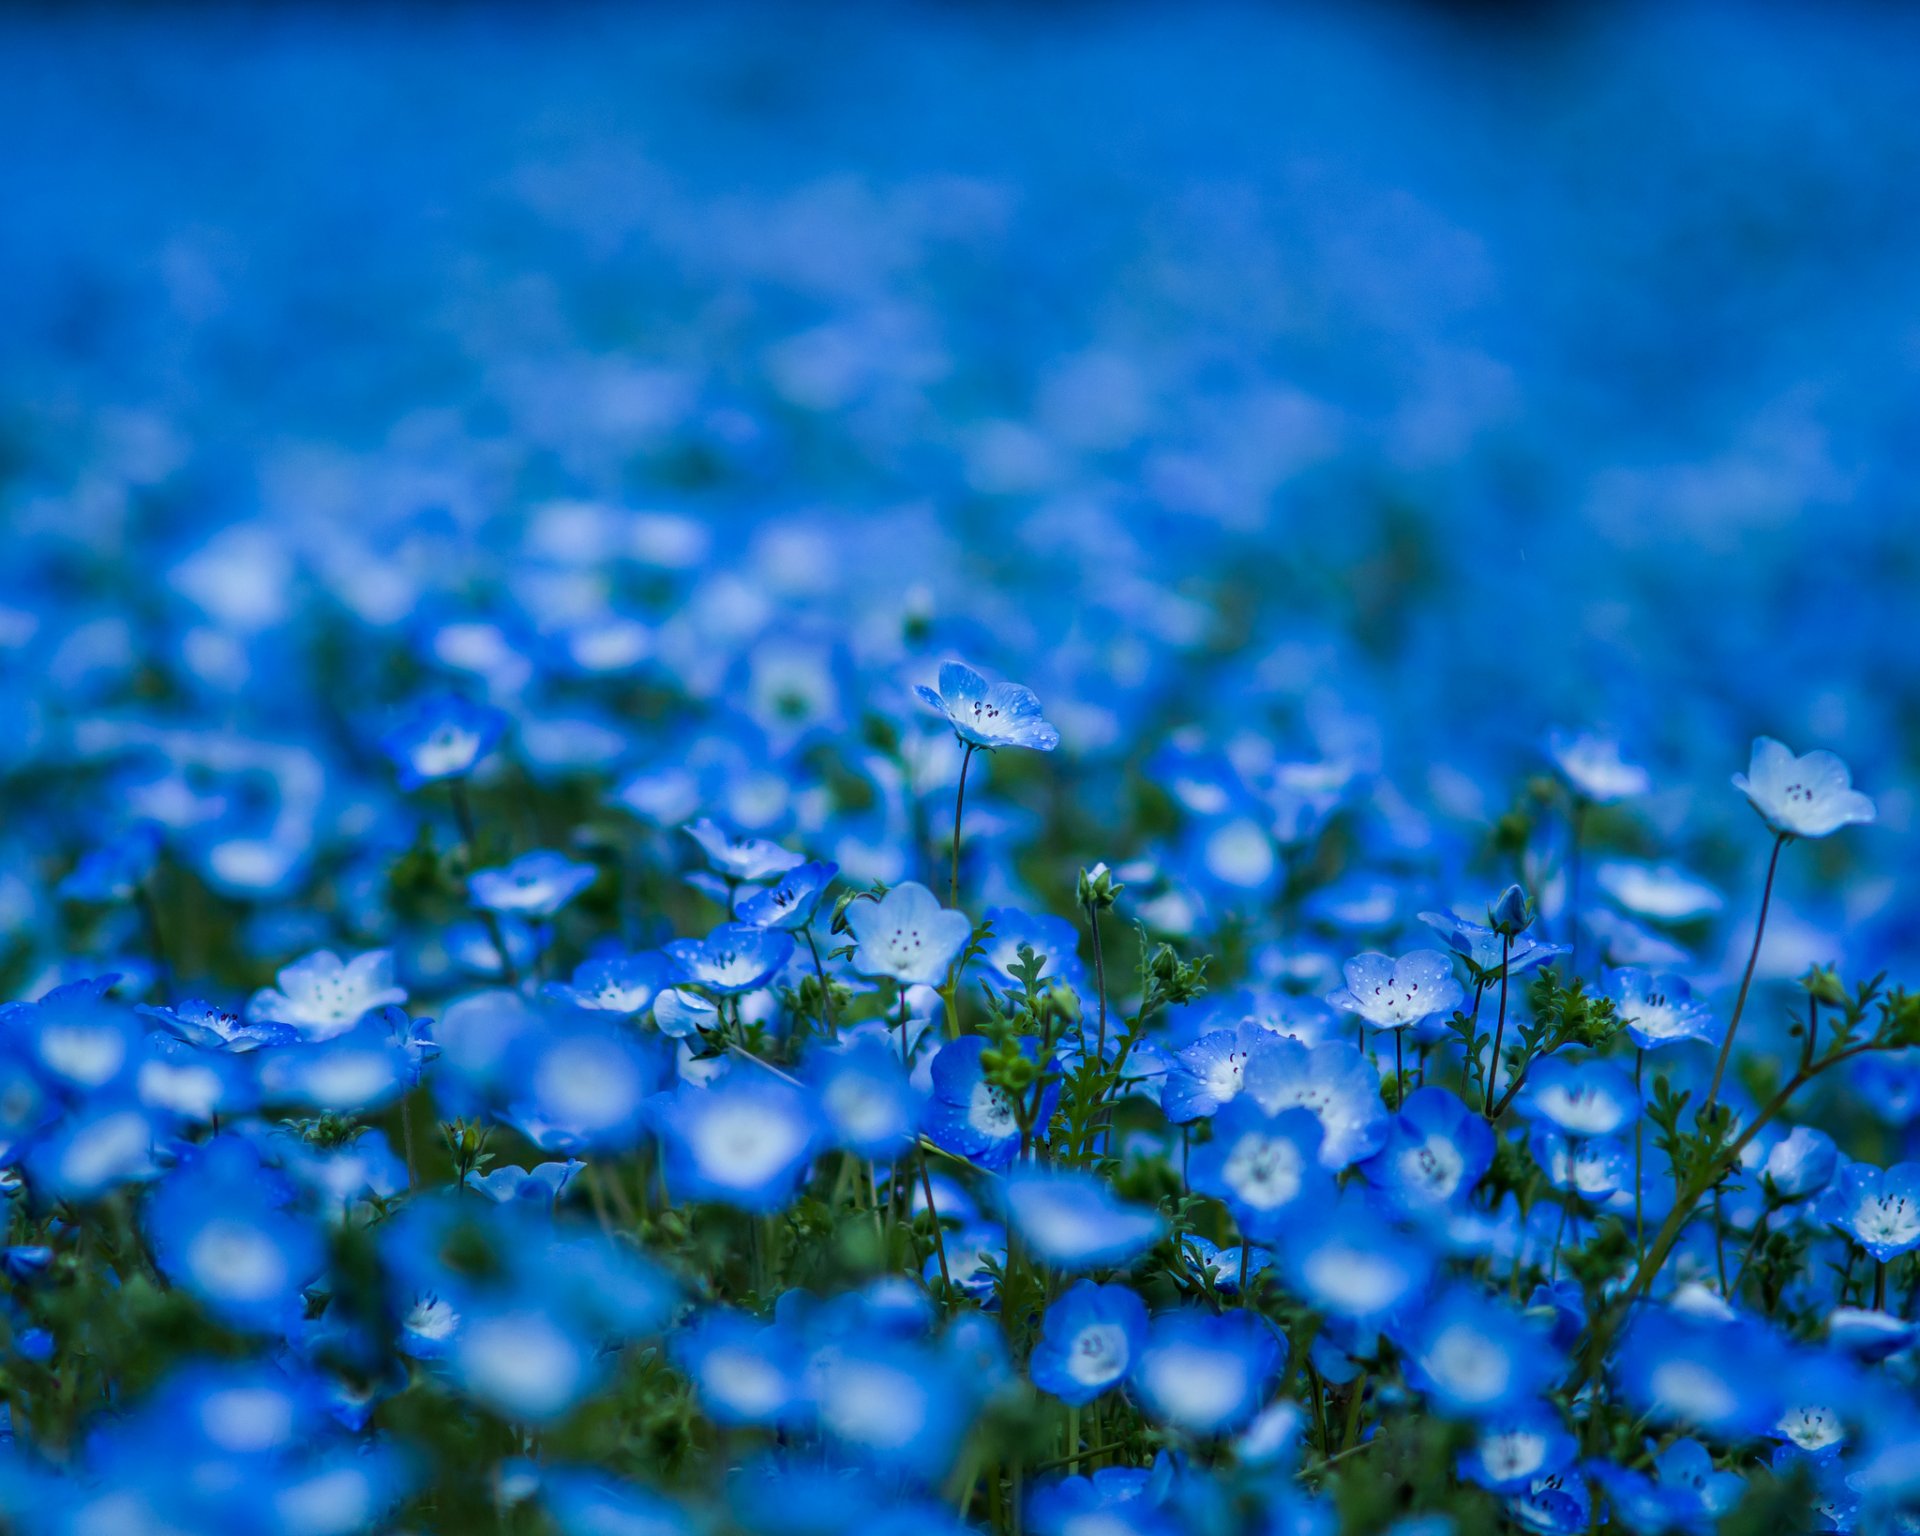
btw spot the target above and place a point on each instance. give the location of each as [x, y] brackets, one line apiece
[820, 975]
[1746, 981]
[1499, 1029]
[959, 804]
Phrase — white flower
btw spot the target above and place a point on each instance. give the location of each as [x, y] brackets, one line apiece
[323, 996]
[1809, 796]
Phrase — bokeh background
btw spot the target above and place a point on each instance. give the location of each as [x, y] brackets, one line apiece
[1391, 383]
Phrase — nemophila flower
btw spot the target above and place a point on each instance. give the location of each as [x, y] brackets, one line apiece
[739, 858]
[907, 935]
[1658, 1008]
[92, 1151]
[1482, 945]
[541, 1186]
[1878, 1208]
[1073, 1221]
[115, 870]
[974, 1254]
[1797, 1165]
[971, 1117]
[78, 1038]
[744, 1371]
[1726, 1379]
[1333, 1080]
[1593, 767]
[1868, 1335]
[1644, 1506]
[207, 1026]
[899, 1407]
[868, 1104]
[1088, 1341]
[322, 995]
[1391, 994]
[1112, 1500]
[682, 1015]
[1437, 1150]
[1348, 1263]
[1054, 939]
[790, 902]
[1582, 1098]
[1207, 1262]
[535, 885]
[1205, 1076]
[580, 1085]
[342, 1074]
[525, 1360]
[442, 738]
[1514, 1451]
[1594, 1168]
[192, 1085]
[990, 715]
[1660, 892]
[220, 1229]
[1261, 1166]
[1473, 1357]
[1889, 1081]
[744, 1141]
[1808, 796]
[1205, 1373]
[734, 958]
[623, 984]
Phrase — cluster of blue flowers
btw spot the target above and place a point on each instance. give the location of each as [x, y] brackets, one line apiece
[558, 980]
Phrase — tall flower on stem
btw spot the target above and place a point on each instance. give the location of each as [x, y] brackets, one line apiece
[1809, 796]
[1595, 774]
[983, 715]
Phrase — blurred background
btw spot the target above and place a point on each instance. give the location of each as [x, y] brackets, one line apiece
[1397, 382]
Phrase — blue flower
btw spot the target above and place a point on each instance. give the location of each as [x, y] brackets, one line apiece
[528, 1361]
[1209, 1073]
[209, 1027]
[745, 1371]
[907, 935]
[535, 885]
[1333, 1080]
[1725, 1379]
[1481, 945]
[1072, 1220]
[115, 870]
[1392, 994]
[442, 738]
[987, 714]
[1594, 769]
[582, 1085]
[1474, 1357]
[1878, 1208]
[738, 858]
[1582, 1098]
[1088, 1341]
[542, 1185]
[1810, 796]
[221, 1230]
[1661, 893]
[744, 1141]
[1514, 1451]
[1206, 1373]
[969, 1116]
[734, 958]
[1347, 1263]
[620, 984]
[790, 902]
[322, 996]
[93, 1151]
[1054, 939]
[1436, 1151]
[1262, 1166]
[1658, 1008]
[868, 1103]
[343, 1074]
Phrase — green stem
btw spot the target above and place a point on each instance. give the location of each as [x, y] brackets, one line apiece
[959, 803]
[1499, 1029]
[1746, 981]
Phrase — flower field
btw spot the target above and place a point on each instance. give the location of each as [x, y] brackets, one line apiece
[1086, 771]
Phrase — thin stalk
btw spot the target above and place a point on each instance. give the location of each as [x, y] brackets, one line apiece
[959, 804]
[1099, 979]
[1639, 1156]
[1746, 981]
[933, 1215]
[1499, 1029]
[820, 975]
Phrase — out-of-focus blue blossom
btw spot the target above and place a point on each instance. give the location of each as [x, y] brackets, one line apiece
[1204, 1373]
[734, 958]
[790, 901]
[1594, 768]
[739, 857]
[535, 885]
[1073, 1221]
[442, 738]
[1088, 1341]
[744, 1141]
